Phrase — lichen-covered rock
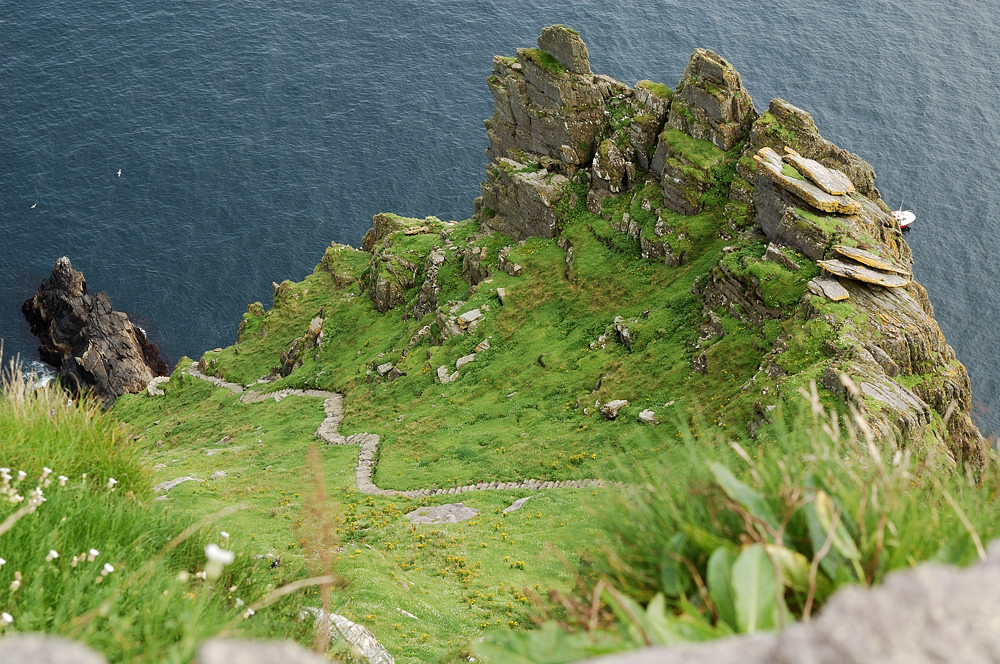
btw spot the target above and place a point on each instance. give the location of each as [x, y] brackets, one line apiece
[523, 199]
[95, 348]
[566, 46]
[710, 101]
[427, 298]
[769, 164]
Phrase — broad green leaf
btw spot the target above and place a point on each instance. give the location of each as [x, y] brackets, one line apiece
[720, 589]
[748, 498]
[794, 566]
[674, 577]
[755, 590]
[833, 564]
[842, 540]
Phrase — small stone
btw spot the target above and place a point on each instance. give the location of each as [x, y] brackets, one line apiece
[483, 345]
[384, 369]
[648, 417]
[443, 375]
[831, 289]
[170, 484]
[774, 254]
[219, 474]
[516, 505]
[501, 295]
[610, 410]
[468, 317]
[465, 359]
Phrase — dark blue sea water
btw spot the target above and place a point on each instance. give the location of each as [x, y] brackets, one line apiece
[251, 134]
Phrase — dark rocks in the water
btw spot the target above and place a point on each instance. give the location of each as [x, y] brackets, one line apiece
[95, 348]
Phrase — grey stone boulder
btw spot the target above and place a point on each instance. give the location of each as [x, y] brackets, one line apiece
[45, 649]
[610, 410]
[241, 651]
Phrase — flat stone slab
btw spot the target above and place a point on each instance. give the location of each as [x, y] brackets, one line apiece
[769, 164]
[862, 273]
[829, 180]
[870, 259]
[163, 487]
[450, 513]
[516, 505]
[831, 289]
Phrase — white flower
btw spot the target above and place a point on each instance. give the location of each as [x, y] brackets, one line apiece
[217, 558]
[239, 602]
[2, 562]
[249, 612]
[84, 476]
[45, 473]
[75, 561]
[93, 553]
[16, 583]
[201, 575]
[224, 535]
[62, 480]
[6, 618]
[111, 483]
[52, 555]
[21, 475]
[108, 569]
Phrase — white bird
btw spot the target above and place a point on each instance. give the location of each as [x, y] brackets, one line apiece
[33, 205]
[119, 172]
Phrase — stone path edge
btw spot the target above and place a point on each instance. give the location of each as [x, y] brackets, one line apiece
[328, 431]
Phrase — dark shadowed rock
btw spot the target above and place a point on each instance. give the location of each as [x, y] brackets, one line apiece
[95, 348]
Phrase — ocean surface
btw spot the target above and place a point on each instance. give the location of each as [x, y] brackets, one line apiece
[252, 134]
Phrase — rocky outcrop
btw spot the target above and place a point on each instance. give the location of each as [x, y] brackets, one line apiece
[95, 348]
[926, 615]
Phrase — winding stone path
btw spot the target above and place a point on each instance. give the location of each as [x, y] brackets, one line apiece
[328, 431]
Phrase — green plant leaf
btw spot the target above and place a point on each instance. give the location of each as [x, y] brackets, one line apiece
[794, 566]
[748, 498]
[674, 577]
[755, 590]
[842, 540]
[720, 589]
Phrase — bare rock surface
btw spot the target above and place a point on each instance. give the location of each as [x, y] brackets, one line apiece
[242, 651]
[45, 649]
[450, 513]
[95, 348]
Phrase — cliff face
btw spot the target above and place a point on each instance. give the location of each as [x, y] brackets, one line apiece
[553, 119]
